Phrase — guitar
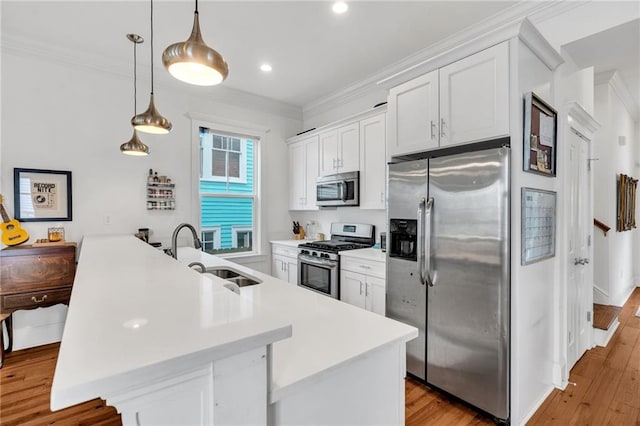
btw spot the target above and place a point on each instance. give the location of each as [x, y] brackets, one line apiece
[12, 233]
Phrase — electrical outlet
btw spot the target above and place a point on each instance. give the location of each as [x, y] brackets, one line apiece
[107, 219]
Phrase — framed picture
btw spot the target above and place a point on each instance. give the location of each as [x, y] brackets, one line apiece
[42, 195]
[538, 225]
[540, 134]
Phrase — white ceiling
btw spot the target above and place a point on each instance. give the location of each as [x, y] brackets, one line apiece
[313, 51]
[616, 49]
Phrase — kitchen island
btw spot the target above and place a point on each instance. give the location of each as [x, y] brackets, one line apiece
[165, 344]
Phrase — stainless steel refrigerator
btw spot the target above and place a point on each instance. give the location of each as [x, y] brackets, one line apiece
[448, 271]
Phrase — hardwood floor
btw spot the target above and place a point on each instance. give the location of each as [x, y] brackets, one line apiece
[607, 381]
[604, 315]
[606, 391]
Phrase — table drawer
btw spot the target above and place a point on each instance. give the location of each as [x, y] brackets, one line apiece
[36, 299]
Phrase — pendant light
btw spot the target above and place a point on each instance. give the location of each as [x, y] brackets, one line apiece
[134, 146]
[194, 62]
[151, 121]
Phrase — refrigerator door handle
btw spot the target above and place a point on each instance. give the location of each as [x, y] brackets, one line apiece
[420, 240]
[427, 237]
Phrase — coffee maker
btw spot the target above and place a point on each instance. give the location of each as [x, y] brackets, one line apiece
[403, 238]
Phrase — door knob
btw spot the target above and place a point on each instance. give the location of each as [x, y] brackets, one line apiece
[577, 261]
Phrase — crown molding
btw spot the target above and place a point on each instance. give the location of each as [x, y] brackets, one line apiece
[500, 27]
[613, 79]
[21, 46]
[582, 117]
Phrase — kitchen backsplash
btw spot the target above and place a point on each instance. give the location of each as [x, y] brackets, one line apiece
[325, 217]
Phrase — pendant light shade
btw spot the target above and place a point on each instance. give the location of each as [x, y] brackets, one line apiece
[194, 62]
[134, 146]
[151, 121]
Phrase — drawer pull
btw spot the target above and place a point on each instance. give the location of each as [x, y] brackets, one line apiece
[36, 300]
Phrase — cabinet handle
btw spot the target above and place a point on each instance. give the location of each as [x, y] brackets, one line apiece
[442, 135]
[340, 163]
[360, 287]
[366, 290]
[365, 267]
[36, 300]
[382, 197]
[433, 129]
[334, 164]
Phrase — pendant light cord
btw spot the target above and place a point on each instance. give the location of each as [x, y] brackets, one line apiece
[152, 47]
[135, 78]
[196, 7]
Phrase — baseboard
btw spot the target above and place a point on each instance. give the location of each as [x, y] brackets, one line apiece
[536, 406]
[621, 300]
[600, 296]
[602, 337]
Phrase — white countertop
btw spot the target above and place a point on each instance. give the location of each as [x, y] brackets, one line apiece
[376, 255]
[136, 312]
[289, 243]
[327, 333]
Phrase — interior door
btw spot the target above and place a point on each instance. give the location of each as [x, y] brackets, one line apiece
[579, 292]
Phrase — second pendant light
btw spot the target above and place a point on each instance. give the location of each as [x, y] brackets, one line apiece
[151, 121]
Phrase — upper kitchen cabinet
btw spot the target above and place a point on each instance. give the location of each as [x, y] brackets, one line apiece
[339, 150]
[303, 171]
[463, 102]
[413, 115]
[373, 176]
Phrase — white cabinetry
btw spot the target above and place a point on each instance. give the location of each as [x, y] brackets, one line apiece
[284, 263]
[373, 170]
[463, 102]
[362, 283]
[303, 170]
[339, 150]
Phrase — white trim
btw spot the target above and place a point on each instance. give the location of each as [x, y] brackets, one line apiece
[580, 115]
[207, 150]
[602, 337]
[618, 85]
[535, 407]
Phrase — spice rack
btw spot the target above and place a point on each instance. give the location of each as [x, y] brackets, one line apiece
[160, 192]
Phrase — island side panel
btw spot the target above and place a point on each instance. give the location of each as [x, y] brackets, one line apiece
[365, 391]
[231, 390]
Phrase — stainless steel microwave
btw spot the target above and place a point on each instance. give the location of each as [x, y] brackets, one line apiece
[341, 189]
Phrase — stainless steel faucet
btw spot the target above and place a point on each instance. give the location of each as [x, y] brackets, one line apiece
[174, 239]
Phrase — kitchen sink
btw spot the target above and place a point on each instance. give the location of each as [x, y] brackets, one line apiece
[234, 276]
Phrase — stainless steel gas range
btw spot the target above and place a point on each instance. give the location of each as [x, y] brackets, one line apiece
[319, 261]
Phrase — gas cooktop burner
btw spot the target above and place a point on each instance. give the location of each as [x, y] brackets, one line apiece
[334, 246]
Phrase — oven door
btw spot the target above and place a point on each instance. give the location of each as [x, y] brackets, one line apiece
[320, 275]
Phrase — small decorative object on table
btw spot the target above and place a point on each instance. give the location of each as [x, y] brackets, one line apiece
[56, 234]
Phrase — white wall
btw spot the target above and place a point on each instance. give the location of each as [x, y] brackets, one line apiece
[615, 252]
[61, 116]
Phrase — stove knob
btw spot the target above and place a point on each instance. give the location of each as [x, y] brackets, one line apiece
[304, 251]
[326, 255]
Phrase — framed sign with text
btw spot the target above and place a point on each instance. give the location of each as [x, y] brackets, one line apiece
[42, 195]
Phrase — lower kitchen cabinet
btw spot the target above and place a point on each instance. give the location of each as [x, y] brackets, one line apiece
[284, 263]
[362, 284]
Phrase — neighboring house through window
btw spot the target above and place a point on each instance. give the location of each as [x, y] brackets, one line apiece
[227, 190]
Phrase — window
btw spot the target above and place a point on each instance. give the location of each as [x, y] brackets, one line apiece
[223, 158]
[210, 238]
[227, 190]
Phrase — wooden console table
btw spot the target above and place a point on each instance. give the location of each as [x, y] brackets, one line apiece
[33, 277]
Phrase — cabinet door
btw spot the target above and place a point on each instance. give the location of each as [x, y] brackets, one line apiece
[413, 115]
[373, 167]
[328, 153]
[474, 97]
[376, 295]
[297, 179]
[352, 288]
[311, 173]
[292, 271]
[349, 148]
[278, 267]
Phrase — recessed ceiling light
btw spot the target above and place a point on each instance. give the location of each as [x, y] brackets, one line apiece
[266, 67]
[340, 7]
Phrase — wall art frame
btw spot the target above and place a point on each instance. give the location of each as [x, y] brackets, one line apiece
[540, 136]
[42, 195]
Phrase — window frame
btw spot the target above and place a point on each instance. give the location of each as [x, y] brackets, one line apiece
[216, 236]
[206, 160]
[247, 130]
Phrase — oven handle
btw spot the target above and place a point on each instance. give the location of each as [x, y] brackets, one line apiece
[343, 189]
[313, 260]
